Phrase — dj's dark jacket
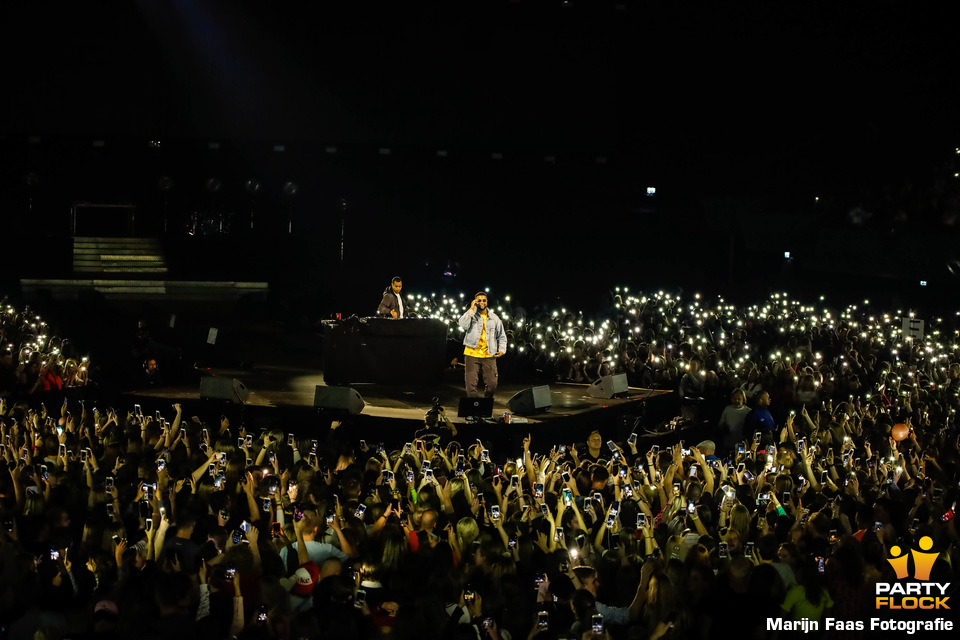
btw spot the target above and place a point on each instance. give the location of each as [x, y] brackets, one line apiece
[389, 303]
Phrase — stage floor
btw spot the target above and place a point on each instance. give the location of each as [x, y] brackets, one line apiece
[281, 369]
[289, 387]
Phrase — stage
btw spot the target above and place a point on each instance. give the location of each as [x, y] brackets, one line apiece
[282, 369]
[283, 394]
[286, 388]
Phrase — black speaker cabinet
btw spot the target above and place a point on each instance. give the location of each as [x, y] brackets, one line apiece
[608, 386]
[227, 389]
[532, 400]
[338, 399]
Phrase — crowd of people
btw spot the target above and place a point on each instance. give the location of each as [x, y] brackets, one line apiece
[834, 449]
[799, 353]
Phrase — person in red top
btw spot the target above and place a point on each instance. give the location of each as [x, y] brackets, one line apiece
[51, 384]
[428, 521]
[50, 378]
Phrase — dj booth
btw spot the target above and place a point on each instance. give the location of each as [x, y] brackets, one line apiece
[384, 350]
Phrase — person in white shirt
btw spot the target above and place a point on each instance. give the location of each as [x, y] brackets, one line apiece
[317, 551]
[731, 420]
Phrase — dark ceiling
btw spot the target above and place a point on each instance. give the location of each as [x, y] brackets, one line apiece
[670, 78]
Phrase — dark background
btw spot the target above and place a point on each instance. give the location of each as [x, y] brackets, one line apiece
[740, 114]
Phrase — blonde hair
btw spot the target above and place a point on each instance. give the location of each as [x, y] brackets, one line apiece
[467, 531]
[740, 520]
[456, 486]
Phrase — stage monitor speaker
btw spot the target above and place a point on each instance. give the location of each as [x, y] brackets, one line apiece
[338, 399]
[219, 388]
[608, 386]
[532, 400]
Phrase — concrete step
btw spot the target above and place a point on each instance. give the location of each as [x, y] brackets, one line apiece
[106, 246]
[115, 252]
[118, 255]
[87, 262]
[131, 260]
[142, 262]
[112, 240]
[120, 269]
[134, 289]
